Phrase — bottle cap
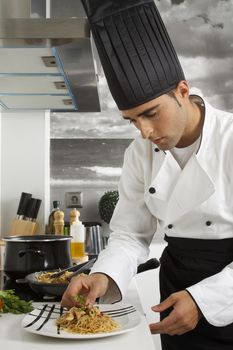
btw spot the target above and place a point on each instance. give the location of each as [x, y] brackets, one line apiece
[56, 204]
[74, 216]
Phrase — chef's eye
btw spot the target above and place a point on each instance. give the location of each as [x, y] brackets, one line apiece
[148, 116]
[132, 121]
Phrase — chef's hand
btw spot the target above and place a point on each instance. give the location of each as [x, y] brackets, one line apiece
[183, 318]
[91, 286]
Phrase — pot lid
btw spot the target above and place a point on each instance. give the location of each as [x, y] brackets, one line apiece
[36, 238]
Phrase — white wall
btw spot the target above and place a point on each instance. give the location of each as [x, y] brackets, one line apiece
[24, 163]
[0, 170]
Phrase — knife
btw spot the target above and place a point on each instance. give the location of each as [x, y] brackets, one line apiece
[30, 209]
[36, 209]
[24, 199]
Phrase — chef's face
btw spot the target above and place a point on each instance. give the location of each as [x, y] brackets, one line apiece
[163, 120]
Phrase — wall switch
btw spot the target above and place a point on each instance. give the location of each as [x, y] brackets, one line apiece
[74, 199]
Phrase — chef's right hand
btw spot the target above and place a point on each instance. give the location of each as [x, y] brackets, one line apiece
[91, 286]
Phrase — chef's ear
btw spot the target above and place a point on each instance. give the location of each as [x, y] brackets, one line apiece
[182, 89]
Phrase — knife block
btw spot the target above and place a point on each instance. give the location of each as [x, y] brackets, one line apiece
[22, 227]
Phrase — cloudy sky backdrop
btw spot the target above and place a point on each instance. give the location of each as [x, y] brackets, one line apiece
[201, 32]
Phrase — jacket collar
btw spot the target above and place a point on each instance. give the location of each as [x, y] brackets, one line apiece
[185, 189]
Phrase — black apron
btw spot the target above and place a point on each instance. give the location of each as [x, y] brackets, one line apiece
[185, 262]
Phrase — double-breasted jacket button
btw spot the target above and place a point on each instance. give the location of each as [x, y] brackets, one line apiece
[156, 149]
[208, 223]
[170, 226]
[152, 190]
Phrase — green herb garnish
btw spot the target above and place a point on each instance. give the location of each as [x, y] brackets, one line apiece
[80, 299]
[9, 302]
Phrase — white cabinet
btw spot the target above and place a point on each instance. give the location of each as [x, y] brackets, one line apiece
[25, 60]
[27, 82]
[33, 102]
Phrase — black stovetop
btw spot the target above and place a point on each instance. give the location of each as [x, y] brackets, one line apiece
[22, 289]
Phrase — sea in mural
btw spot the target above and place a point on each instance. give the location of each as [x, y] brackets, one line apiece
[87, 162]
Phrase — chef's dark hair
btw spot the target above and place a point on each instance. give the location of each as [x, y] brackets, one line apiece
[137, 55]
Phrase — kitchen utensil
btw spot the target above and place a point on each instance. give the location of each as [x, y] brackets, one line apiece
[36, 210]
[32, 209]
[87, 266]
[75, 268]
[24, 199]
[93, 240]
[58, 289]
[43, 289]
[22, 227]
[54, 289]
[150, 264]
[26, 254]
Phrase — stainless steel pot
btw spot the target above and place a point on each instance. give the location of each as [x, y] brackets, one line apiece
[27, 254]
[93, 240]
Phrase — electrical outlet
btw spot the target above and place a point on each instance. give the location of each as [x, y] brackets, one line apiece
[74, 199]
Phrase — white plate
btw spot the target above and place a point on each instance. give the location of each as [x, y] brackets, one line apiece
[42, 321]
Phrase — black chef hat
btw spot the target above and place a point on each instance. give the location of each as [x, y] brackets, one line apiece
[137, 55]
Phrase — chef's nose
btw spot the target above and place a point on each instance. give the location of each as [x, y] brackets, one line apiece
[146, 129]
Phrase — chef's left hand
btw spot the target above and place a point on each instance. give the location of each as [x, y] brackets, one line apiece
[183, 318]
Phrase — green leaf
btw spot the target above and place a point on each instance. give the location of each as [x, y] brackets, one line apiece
[12, 303]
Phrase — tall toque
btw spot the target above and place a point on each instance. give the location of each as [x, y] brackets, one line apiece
[136, 53]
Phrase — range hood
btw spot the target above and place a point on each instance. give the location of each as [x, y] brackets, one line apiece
[46, 57]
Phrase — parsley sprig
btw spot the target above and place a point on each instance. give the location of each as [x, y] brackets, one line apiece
[9, 302]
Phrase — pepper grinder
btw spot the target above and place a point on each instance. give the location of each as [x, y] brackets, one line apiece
[74, 216]
[59, 222]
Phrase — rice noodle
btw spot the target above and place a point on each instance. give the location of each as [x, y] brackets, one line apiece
[86, 320]
[46, 277]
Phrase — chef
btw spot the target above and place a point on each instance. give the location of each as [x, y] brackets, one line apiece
[178, 173]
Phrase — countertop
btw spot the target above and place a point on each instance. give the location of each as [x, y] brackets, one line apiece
[14, 337]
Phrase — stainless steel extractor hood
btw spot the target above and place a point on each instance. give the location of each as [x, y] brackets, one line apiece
[46, 57]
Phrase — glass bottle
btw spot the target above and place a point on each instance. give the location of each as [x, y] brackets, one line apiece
[77, 231]
[51, 228]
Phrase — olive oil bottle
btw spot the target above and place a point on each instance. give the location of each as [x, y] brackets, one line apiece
[51, 228]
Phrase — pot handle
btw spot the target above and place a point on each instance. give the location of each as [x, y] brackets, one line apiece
[149, 265]
[22, 252]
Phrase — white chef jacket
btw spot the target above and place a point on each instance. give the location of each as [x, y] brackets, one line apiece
[193, 202]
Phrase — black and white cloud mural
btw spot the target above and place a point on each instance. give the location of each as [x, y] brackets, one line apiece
[201, 32]
[87, 148]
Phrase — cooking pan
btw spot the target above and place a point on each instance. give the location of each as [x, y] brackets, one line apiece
[27, 254]
[58, 289]
[52, 289]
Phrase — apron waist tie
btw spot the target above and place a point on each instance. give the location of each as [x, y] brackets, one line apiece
[216, 250]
